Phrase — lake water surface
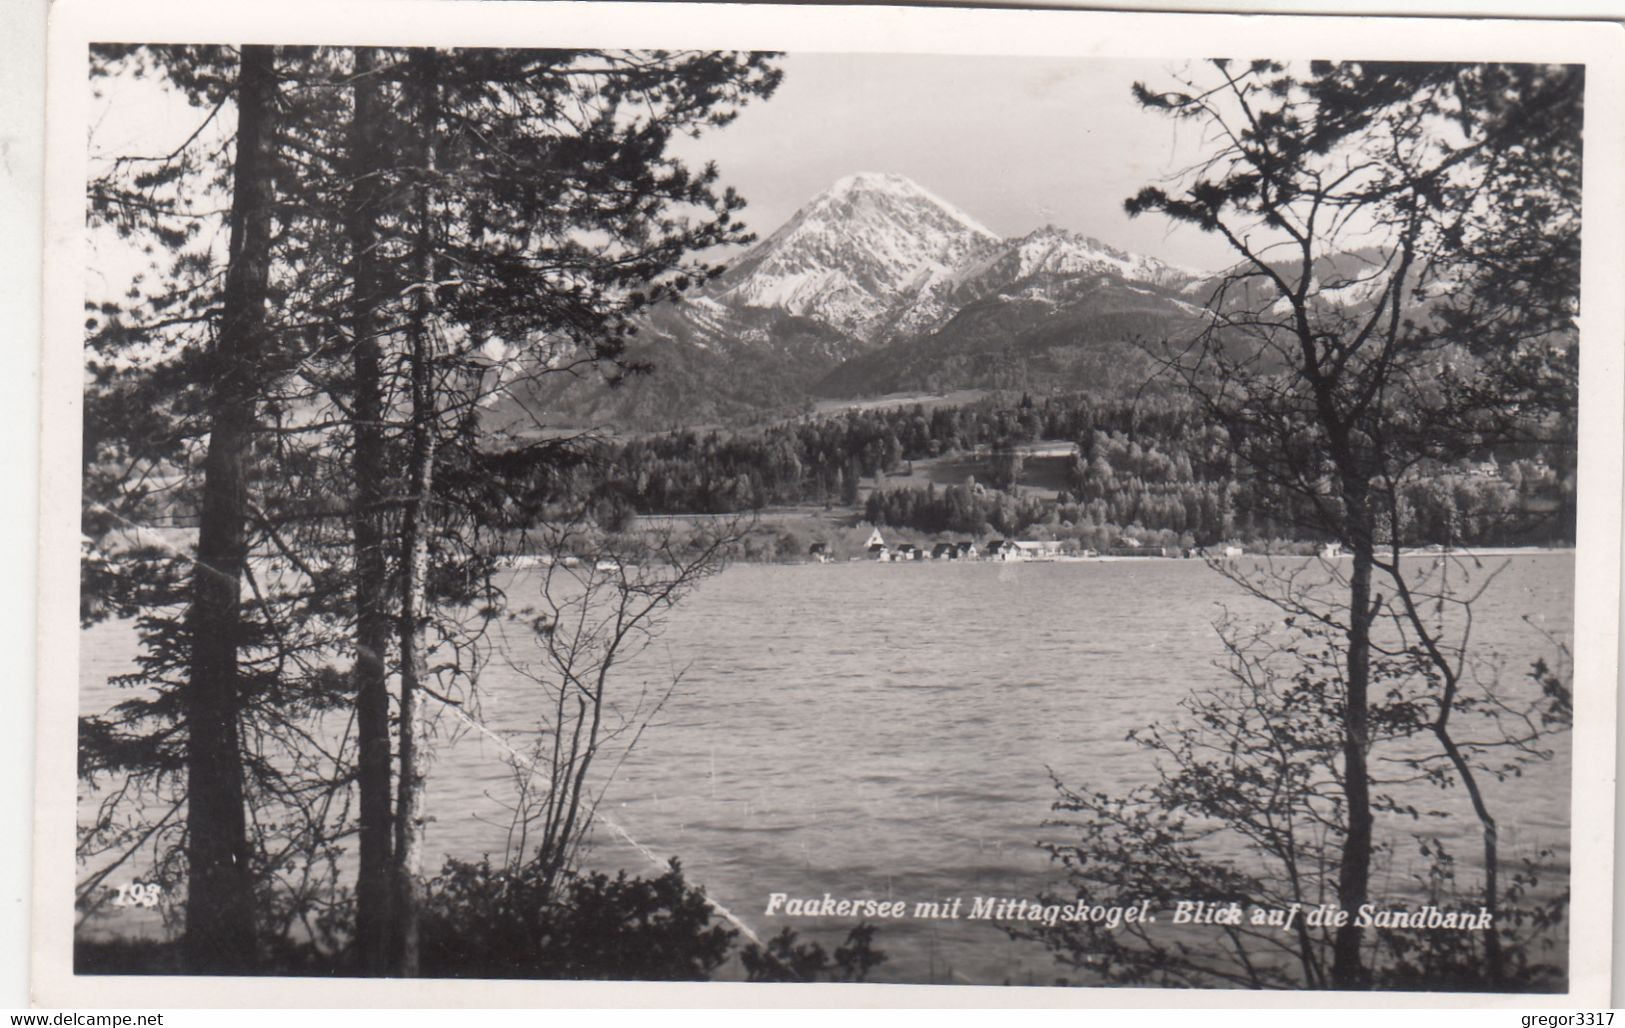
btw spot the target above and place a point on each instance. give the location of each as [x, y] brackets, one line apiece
[888, 731]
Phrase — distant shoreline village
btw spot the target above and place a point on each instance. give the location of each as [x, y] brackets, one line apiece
[877, 549]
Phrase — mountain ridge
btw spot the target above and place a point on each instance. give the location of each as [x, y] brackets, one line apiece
[879, 265]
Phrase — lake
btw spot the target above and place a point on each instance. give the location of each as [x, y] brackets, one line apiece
[887, 731]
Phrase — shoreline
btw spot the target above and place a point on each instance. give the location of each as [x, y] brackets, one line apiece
[1462, 553]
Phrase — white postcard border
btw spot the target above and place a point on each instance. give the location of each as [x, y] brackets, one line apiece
[75, 23]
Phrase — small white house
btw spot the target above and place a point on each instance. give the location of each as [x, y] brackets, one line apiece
[1037, 549]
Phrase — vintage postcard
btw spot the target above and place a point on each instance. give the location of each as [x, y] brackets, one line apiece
[1012, 506]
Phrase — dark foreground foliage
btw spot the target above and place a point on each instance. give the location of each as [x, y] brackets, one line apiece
[482, 920]
[784, 959]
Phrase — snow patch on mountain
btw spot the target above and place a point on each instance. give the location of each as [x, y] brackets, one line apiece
[1038, 265]
[1057, 252]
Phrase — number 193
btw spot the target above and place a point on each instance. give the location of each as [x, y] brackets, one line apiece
[138, 894]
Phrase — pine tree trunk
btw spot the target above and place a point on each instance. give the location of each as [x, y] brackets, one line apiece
[409, 822]
[368, 526]
[220, 918]
[1354, 871]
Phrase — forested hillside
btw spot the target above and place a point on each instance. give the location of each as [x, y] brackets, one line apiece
[1151, 469]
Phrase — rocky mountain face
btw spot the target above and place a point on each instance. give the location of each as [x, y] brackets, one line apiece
[878, 285]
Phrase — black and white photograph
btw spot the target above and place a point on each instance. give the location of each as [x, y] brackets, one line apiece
[1060, 516]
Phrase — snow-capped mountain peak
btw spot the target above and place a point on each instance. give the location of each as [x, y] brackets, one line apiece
[856, 253]
[877, 256]
[872, 185]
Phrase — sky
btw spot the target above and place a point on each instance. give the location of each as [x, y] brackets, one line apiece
[1015, 142]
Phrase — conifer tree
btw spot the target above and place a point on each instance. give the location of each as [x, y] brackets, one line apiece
[220, 902]
[368, 195]
[407, 293]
